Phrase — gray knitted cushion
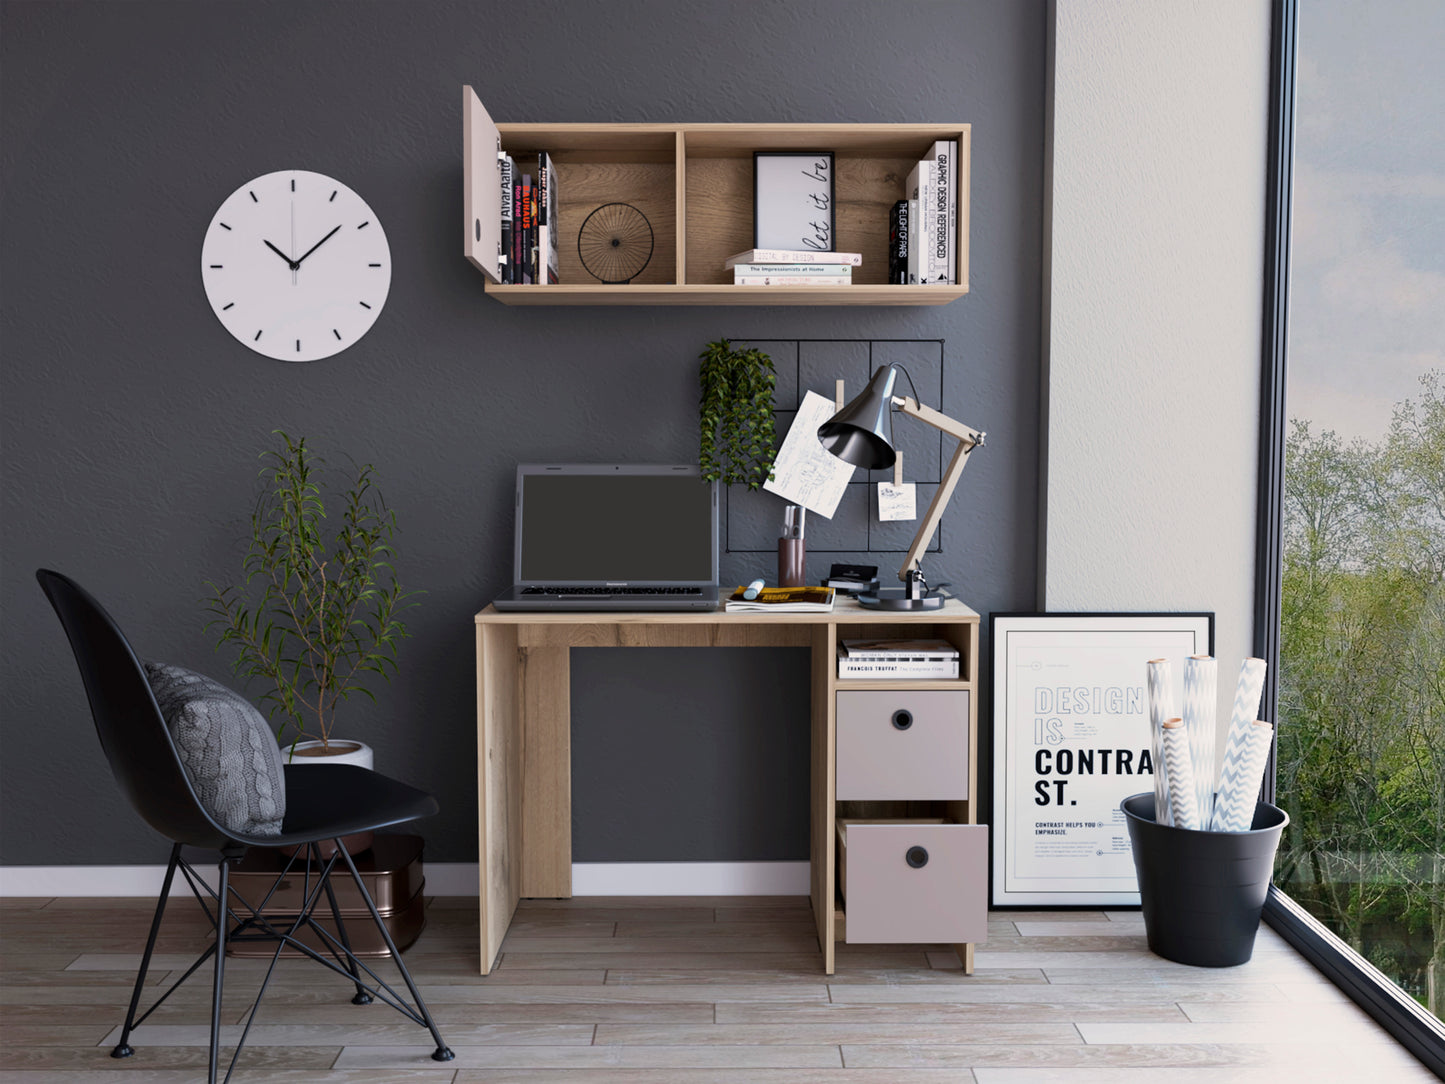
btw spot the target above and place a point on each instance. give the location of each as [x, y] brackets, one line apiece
[227, 749]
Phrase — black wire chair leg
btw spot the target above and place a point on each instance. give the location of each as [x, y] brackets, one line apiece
[123, 1048]
[221, 924]
[363, 996]
[442, 1052]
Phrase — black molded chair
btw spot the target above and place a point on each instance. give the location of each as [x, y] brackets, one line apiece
[323, 803]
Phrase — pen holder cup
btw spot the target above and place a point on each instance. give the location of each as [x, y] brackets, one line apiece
[1202, 892]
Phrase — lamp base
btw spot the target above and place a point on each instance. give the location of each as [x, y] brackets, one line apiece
[896, 598]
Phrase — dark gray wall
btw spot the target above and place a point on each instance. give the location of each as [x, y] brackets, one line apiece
[132, 421]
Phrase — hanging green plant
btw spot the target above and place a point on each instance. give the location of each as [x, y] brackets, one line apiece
[736, 440]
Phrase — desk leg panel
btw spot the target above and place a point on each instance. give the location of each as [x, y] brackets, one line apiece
[821, 791]
[499, 784]
[546, 680]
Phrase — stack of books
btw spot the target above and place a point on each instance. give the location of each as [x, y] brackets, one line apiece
[788, 267]
[529, 223]
[923, 226]
[894, 659]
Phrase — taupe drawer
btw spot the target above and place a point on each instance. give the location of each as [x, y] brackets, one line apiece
[916, 883]
[903, 745]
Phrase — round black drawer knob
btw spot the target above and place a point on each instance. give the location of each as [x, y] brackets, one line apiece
[917, 857]
[902, 719]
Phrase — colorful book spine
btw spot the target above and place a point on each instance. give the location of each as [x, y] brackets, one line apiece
[508, 169]
[529, 229]
[519, 225]
[548, 259]
[898, 244]
[911, 271]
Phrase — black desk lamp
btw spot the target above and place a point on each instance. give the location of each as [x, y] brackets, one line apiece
[862, 434]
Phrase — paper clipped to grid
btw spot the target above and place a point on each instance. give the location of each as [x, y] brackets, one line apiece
[804, 472]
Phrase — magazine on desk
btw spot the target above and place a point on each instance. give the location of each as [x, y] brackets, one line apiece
[783, 600]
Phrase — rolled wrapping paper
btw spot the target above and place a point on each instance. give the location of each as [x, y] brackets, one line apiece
[1201, 678]
[1244, 763]
[1161, 707]
[1177, 763]
[1245, 711]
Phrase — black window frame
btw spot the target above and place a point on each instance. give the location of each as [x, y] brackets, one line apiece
[1401, 1015]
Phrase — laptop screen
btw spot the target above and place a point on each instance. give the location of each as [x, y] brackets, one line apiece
[615, 525]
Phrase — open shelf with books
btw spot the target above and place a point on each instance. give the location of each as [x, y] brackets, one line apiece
[694, 185]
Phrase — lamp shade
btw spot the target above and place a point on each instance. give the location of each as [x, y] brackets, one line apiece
[862, 432]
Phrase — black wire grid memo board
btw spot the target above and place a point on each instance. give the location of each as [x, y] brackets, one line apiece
[753, 520]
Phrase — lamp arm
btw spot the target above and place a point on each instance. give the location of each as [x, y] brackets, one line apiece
[968, 440]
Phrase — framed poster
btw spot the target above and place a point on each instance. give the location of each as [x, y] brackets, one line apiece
[1070, 742]
[793, 200]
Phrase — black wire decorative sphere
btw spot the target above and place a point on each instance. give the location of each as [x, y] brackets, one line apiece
[615, 243]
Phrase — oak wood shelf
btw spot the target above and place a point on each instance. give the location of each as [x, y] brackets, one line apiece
[694, 184]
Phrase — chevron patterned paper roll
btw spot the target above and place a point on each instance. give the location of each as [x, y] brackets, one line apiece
[1246, 705]
[1177, 763]
[1161, 707]
[1239, 780]
[1201, 678]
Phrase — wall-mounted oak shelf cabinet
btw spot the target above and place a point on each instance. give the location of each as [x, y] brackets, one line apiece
[694, 182]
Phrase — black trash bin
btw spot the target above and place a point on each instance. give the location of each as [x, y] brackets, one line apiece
[1202, 892]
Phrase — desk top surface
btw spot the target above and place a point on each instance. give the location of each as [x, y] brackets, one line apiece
[845, 611]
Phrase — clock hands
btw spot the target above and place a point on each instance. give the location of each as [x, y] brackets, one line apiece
[295, 264]
[317, 245]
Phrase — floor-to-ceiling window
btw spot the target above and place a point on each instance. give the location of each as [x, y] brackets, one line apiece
[1361, 755]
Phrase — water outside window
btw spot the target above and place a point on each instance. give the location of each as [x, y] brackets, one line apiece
[1361, 765]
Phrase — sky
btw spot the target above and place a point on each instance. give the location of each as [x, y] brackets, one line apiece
[1367, 298]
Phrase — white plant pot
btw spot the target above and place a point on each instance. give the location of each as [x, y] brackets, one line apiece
[339, 752]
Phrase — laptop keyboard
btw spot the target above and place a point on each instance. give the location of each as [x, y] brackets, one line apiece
[569, 590]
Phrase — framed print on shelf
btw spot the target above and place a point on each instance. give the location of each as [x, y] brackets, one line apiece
[793, 201]
[1070, 742]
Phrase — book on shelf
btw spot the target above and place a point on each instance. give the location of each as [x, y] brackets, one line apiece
[792, 280]
[783, 600]
[522, 229]
[508, 169]
[910, 258]
[898, 229]
[914, 650]
[920, 189]
[547, 263]
[943, 212]
[785, 255]
[884, 670]
[841, 270]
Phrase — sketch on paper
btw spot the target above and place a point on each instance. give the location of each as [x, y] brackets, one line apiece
[804, 472]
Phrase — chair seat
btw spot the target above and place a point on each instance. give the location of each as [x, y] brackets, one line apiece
[328, 800]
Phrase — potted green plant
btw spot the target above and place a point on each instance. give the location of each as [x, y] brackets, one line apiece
[316, 614]
[736, 439]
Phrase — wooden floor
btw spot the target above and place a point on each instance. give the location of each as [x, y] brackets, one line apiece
[691, 991]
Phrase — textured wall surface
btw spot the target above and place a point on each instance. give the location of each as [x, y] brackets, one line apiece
[132, 420]
[1160, 119]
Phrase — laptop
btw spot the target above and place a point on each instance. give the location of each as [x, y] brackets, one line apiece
[614, 537]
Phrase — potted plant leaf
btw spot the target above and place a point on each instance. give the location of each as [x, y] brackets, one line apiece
[736, 439]
[316, 615]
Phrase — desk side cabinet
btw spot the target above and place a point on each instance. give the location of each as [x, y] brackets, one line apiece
[896, 822]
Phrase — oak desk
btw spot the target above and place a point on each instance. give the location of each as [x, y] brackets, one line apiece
[524, 761]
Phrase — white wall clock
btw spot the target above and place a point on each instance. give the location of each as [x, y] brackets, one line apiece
[296, 265]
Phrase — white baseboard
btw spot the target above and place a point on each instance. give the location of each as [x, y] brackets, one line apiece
[451, 879]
